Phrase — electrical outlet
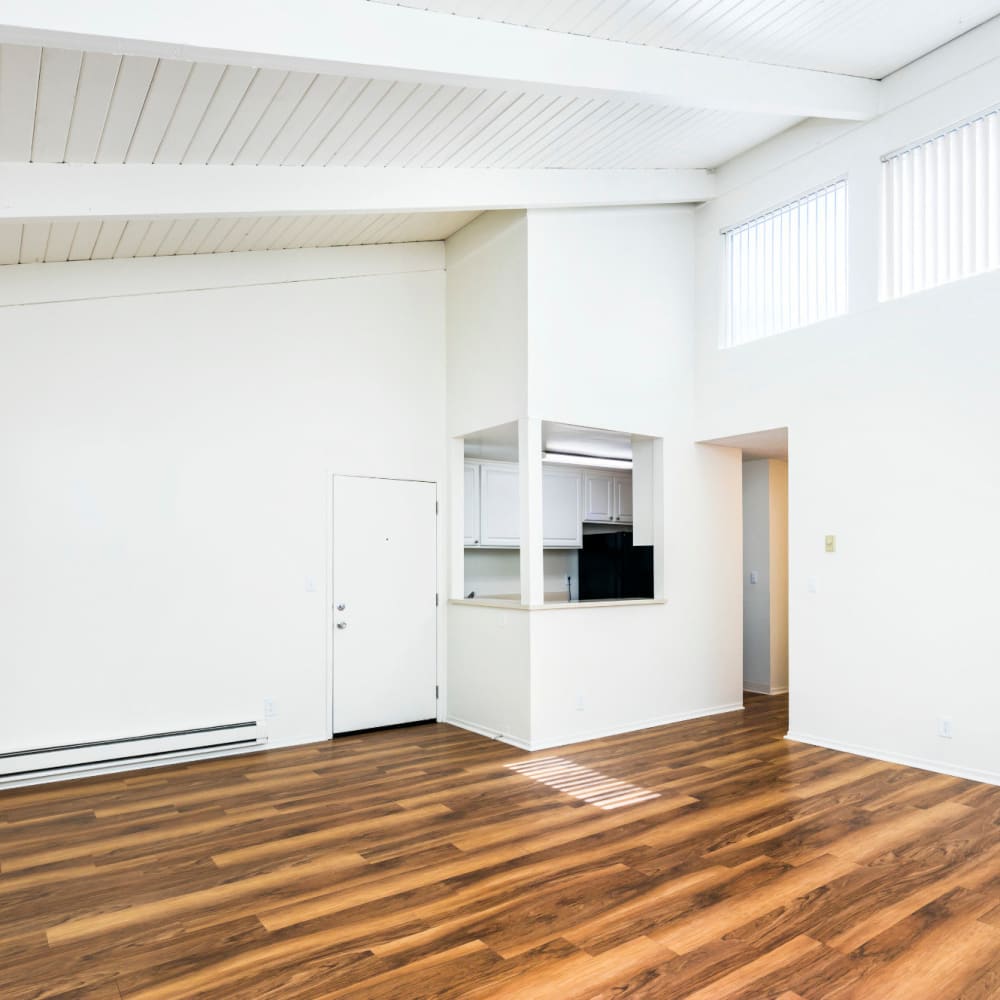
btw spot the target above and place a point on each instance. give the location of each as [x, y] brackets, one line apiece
[944, 727]
[754, 576]
[270, 709]
[830, 543]
[579, 702]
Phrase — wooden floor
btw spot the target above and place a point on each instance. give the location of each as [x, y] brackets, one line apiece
[415, 863]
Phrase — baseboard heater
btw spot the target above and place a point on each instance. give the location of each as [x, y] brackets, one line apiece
[152, 747]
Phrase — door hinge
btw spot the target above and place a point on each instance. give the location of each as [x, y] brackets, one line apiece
[437, 691]
[437, 600]
[437, 507]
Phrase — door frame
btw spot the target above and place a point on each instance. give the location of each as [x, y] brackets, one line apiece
[330, 610]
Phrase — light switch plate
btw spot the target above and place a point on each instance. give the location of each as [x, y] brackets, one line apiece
[754, 576]
[830, 543]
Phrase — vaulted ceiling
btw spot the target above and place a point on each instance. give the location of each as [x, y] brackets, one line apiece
[870, 38]
[138, 129]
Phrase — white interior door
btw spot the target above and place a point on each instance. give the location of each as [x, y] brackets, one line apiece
[385, 605]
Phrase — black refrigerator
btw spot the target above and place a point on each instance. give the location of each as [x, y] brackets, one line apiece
[612, 568]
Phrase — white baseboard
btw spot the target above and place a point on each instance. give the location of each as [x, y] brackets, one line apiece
[921, 763]
[763, 688]
[492, 734]
[567, 739]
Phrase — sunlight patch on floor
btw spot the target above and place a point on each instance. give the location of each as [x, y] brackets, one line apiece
[582, 783]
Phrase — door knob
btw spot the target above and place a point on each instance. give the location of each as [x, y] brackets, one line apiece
[341, 624]
[341, 607]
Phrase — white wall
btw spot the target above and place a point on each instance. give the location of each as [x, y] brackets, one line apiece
[611, 320]
[756, 560]
[892, 413]
[487, 322]
[489, 682]
[609, 329]
[166, 464]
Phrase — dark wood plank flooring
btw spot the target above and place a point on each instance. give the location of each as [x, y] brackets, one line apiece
[413, 863]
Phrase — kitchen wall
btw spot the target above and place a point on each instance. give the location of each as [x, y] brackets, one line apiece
[487, 322]
[490, 572]
[892, 413]
[489, 690]
[607, 335]
[611, 345]
[168, 434]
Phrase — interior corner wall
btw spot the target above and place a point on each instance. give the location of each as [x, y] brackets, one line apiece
[611, 345]
[487, 275]
[756, 567]
[892, 413]
[166, 463]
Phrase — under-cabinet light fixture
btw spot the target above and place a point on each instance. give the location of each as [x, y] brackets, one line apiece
[561, 458]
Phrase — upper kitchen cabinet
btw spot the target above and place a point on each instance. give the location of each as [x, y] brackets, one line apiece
[623, 497]
[472, 516]
[598, 496]
[493, 506]
[500, 504]
[562, 508]
[607, 496]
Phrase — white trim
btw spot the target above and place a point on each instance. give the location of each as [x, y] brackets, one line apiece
[665, 720]
[492, 734]
[763, 688]
[921, 763]
[72, 281]
[597, 734]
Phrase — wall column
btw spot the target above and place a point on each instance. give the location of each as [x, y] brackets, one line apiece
[529, 441]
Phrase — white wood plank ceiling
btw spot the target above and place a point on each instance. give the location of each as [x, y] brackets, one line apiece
[59, 106]
[400, 91]
[104, 239]
[869, 38]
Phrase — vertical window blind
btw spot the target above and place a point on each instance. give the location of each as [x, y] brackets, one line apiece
[941, 208]
[788, 267]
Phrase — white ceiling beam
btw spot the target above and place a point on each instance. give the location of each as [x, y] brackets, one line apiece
[358, 38]
[37, 191]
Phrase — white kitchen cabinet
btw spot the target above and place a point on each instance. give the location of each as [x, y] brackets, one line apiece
[562, 508]
[607, 496]
[623, 497]
[472, 519]
[598, 495]
[500, 505]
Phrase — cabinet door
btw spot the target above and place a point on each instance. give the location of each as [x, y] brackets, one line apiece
[562, 504]
[471, 503]
[501, 505]
[623, 498]
[598, 496]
